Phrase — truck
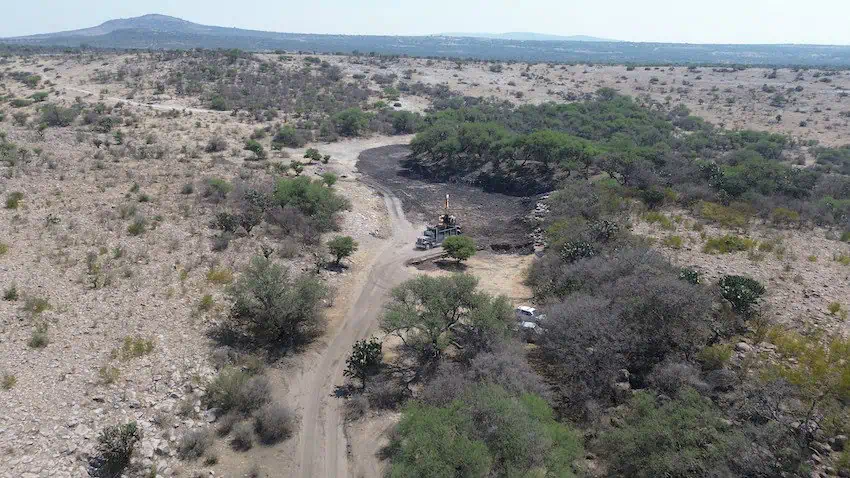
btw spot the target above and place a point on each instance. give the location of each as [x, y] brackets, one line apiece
[434, 235]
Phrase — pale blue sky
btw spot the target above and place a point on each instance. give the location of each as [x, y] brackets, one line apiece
[712, 21]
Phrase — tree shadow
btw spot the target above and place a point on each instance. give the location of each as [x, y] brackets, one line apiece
[451, 265]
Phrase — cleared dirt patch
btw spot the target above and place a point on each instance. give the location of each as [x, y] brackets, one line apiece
[496, 221]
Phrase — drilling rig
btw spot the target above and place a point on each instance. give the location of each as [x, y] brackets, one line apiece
[434, 235]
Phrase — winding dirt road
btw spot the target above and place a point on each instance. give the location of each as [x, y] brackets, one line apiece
[322, 446]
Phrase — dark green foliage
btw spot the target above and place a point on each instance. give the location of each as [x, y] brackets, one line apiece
[274, 309]
[225, 221]
[653, 197]
[313, 154]
[742, 292]
[575, 250]
[289, 137]
[435, 313]
[319, 203]
[351, 122]
[486, 433]
[256, 148]
[682, 438]
[53, 115]
[459, 248]
[690, 275]
[405, 122]
[365, 360]
[115, 446]
[341, 247]
[39, 96]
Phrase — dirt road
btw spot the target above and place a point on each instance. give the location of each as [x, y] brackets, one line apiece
[322, 446]
[153, 106]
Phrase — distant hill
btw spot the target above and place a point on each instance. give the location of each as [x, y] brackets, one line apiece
[164, 32]
[526, 36]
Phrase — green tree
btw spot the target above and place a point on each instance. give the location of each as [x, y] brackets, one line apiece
[275, 309]
[341, 247]
[742, 292]
[329, 179]
[681, 438]
[351, 122]
[312, 154]
[312, 198]
[365, 360]
[459, 248]
[496, 435]
[431, 314]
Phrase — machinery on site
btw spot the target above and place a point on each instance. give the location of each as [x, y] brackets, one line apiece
[434, 235]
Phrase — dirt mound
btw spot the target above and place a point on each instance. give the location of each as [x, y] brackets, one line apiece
[497, 222]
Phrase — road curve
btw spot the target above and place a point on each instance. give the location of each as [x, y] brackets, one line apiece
[322, 445]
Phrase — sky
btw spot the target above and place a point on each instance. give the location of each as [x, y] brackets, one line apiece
[676, 21]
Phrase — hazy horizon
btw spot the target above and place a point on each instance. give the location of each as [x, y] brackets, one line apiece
[726, 21]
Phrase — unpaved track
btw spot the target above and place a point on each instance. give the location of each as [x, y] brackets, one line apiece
[154, 106]
[322, 445]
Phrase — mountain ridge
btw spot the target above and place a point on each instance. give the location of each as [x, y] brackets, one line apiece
[527, 36]
[162, 32]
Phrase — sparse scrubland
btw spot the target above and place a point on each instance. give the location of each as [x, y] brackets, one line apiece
[182, 235]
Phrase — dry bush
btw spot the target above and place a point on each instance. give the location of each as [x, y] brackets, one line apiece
[273, 423]
[194, 444]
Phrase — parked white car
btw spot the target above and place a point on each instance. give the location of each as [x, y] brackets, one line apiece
[528, 322]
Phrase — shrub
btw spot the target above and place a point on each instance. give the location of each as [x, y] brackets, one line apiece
[273, 423]
[487, 433]
[659, 218]
[289, 137]
[690, 275]
[714, 357]
[341, 247]
[256, 148]
[784, 217]
[13, 200]
[365, 360]
[728, 244]
[8, 381]
[673, 242]
[115, 446]
[53, 115]
[134, 347]
[243, 437]
[351, 122]
[36, 305]
[724, 215]
[684, 437]
[329, 179]
[225, 221]
[20, 103]
[10, 294]
[217, 189]
[742, 292]
[234, 389]
[220, 275]
[187, 189]
[317, 202]
[216, 145]
[834, 308]
[313, 154]
[273, 308]
[108, 374]
[459, 248]
[194, 444]
[4, 248]
[138, 226]
[39, 337]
